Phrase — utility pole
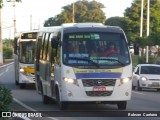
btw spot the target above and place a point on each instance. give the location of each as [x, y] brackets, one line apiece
[30, 22]
[141, 24]
[73, 12]
[14, 21]
[1, 44]
[14, 5]
[148, 16]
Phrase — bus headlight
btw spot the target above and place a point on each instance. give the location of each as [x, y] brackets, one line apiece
[143, 78]
[70, 80]
[21, 70]
[125, 80]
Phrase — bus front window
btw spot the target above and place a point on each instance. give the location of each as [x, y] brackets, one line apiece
[95, 49]
[27, 52]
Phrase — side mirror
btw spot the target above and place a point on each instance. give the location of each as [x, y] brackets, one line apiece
[54, 42]
[136, 48]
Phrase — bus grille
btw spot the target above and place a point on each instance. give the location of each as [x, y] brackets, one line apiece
[98, 82]
[98, 93]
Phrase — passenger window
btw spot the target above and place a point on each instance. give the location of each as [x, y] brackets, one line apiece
[42, 48]
[45, 47]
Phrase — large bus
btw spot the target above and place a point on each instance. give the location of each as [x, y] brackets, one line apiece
[24, 48]
[72, 68]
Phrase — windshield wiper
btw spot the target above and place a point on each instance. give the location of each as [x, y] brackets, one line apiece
[110, 60]
[83, 59]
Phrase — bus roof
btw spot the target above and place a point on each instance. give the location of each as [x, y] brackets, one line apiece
[82, 25]
[50, 29]
[77, 27]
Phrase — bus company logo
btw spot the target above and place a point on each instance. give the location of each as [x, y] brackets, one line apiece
[99, 82]
[6, 114]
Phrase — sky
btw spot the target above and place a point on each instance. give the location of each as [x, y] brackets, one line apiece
[31, 14]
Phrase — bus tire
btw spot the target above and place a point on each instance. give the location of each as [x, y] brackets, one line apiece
[62, 105]
[122, 105]
[158, 89]
[39, 86]
[22, 85]
[16, 79]
[16, 82]
[45, 99]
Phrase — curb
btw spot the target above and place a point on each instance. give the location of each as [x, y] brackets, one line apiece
[6, 65]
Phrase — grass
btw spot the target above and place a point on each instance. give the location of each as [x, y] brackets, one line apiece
[142, 59]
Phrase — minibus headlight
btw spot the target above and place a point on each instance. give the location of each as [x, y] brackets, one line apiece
[143, 78]
[125, 80]
[70, 80]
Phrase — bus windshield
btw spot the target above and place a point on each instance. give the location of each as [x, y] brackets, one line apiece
[100, 49]
[27, 52]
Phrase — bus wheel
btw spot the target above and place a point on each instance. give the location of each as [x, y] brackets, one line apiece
[45, 99]
[16, 82]
[22, 85]
[158, 89]
[122, 105]
[62, 105]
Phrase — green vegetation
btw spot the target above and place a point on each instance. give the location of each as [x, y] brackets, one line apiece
[7, 49]
[142, 59]
[1, 2]
[5, 99]
[7, 52]
[91, 11]
[84, 11]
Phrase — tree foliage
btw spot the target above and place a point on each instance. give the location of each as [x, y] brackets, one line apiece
[131, 21]
[1, 2]
[115, 21]
[5, 99]
[84, 11]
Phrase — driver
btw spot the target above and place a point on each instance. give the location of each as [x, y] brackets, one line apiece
[111, 49]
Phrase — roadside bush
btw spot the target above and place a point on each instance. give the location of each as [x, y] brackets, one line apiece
[5, 99]
[142, 60]
[7, 52]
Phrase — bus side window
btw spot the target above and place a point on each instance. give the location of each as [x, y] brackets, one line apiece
[42, 47]
[51, 56]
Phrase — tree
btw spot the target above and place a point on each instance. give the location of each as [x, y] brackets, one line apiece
[132, 22]
[84, 11]
[115, 21]
[1, 2]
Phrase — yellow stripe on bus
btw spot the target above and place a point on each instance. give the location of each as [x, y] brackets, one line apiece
[29, 70]
[119, 70]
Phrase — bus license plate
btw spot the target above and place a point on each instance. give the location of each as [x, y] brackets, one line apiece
[99, 88]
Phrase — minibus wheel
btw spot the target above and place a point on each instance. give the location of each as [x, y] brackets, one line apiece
[62, 105]
[45, 98]
[122, 105]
